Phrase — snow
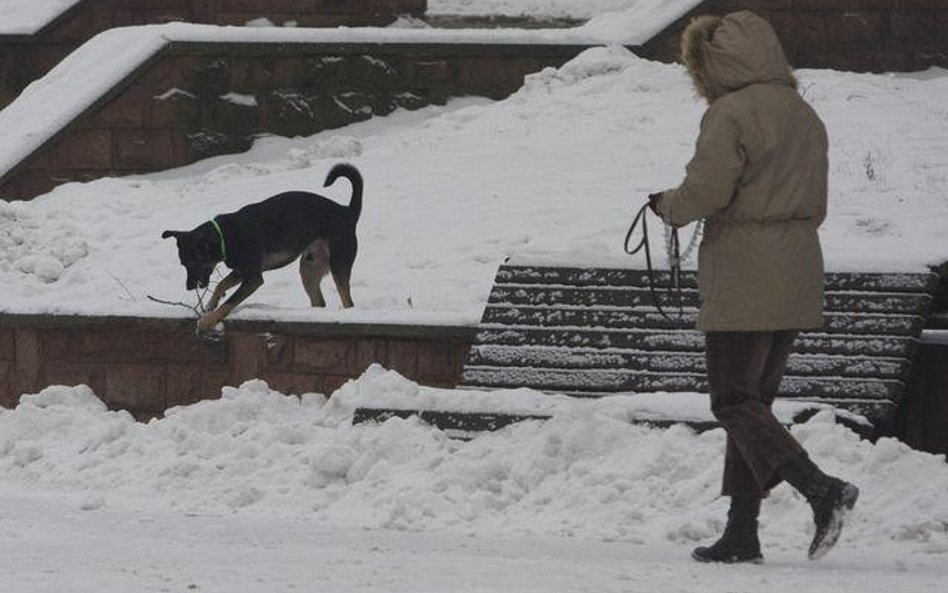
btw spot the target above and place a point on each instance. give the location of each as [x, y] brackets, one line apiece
[400, 394]
[577, 9]
[259, 491]
[26, 17]
[264, 491]
[83, 76]
[625, 21]
[560, 167]
[243, 553]
[239, 99]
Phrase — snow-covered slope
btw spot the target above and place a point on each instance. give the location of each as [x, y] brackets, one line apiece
[556, 169]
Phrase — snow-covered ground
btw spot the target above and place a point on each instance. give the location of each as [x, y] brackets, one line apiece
[261, 491]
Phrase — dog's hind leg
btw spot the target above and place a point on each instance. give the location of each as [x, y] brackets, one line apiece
[341, 278]
[314, 265]
[341, 258]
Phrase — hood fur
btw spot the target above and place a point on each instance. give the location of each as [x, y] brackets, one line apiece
[726, 54]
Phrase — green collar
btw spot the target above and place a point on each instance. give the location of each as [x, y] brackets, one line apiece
[220, 234]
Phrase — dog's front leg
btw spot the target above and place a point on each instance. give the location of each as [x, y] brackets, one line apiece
[209, 320]
[230, 280]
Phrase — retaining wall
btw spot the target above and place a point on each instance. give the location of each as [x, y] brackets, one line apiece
[147, 365]
[24, 58]
[196, 100]
[856, 35]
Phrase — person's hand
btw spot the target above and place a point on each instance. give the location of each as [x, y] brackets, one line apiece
[655, 203]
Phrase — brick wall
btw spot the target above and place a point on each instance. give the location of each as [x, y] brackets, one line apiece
[148, 365]
[24, 59]
[856, 35]
[171, 112]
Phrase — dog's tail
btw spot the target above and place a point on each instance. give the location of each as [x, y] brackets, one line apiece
[355, 178]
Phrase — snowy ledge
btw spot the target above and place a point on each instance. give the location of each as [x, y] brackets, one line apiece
[342, 324]
[28, 17]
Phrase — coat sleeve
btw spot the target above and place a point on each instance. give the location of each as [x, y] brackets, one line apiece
[712, 175]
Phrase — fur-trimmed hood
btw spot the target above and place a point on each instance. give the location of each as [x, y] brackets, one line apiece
[726, 54]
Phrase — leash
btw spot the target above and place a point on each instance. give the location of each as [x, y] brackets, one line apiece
[674, 258]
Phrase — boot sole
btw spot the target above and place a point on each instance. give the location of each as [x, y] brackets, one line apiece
[731, 560]
[847, 500]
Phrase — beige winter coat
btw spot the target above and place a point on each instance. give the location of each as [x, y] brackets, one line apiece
[758, 178]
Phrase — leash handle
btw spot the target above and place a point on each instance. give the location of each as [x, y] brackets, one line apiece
[674, 261]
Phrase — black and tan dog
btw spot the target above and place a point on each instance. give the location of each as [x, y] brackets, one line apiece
[271, 234]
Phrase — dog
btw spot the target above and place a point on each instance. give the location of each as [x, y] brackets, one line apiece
[271, 234]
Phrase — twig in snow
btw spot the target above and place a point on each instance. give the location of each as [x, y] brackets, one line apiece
[122, 284]
[198, 310]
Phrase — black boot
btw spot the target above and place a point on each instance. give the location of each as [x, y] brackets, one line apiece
[739, 542]
[830, 498]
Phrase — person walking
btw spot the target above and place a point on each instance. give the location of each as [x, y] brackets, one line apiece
[758, 178]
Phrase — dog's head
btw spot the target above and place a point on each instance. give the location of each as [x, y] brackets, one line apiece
[199, 253]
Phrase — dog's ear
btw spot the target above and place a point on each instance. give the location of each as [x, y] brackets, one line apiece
[167, 234]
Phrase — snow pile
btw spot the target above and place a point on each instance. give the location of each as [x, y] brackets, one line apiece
[32, 254]
[584, 474]
[402, 394]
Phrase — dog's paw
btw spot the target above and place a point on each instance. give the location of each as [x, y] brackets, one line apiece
[214, 336]
[209, 323]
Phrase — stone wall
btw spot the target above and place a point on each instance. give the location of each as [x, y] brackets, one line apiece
[197, 100]
[854, 35]
[26, 58]
[148, 365]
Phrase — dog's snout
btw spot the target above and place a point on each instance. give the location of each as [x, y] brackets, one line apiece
[199, 276]
[196, 281]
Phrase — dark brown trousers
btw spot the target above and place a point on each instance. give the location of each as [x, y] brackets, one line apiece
[744, 373]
